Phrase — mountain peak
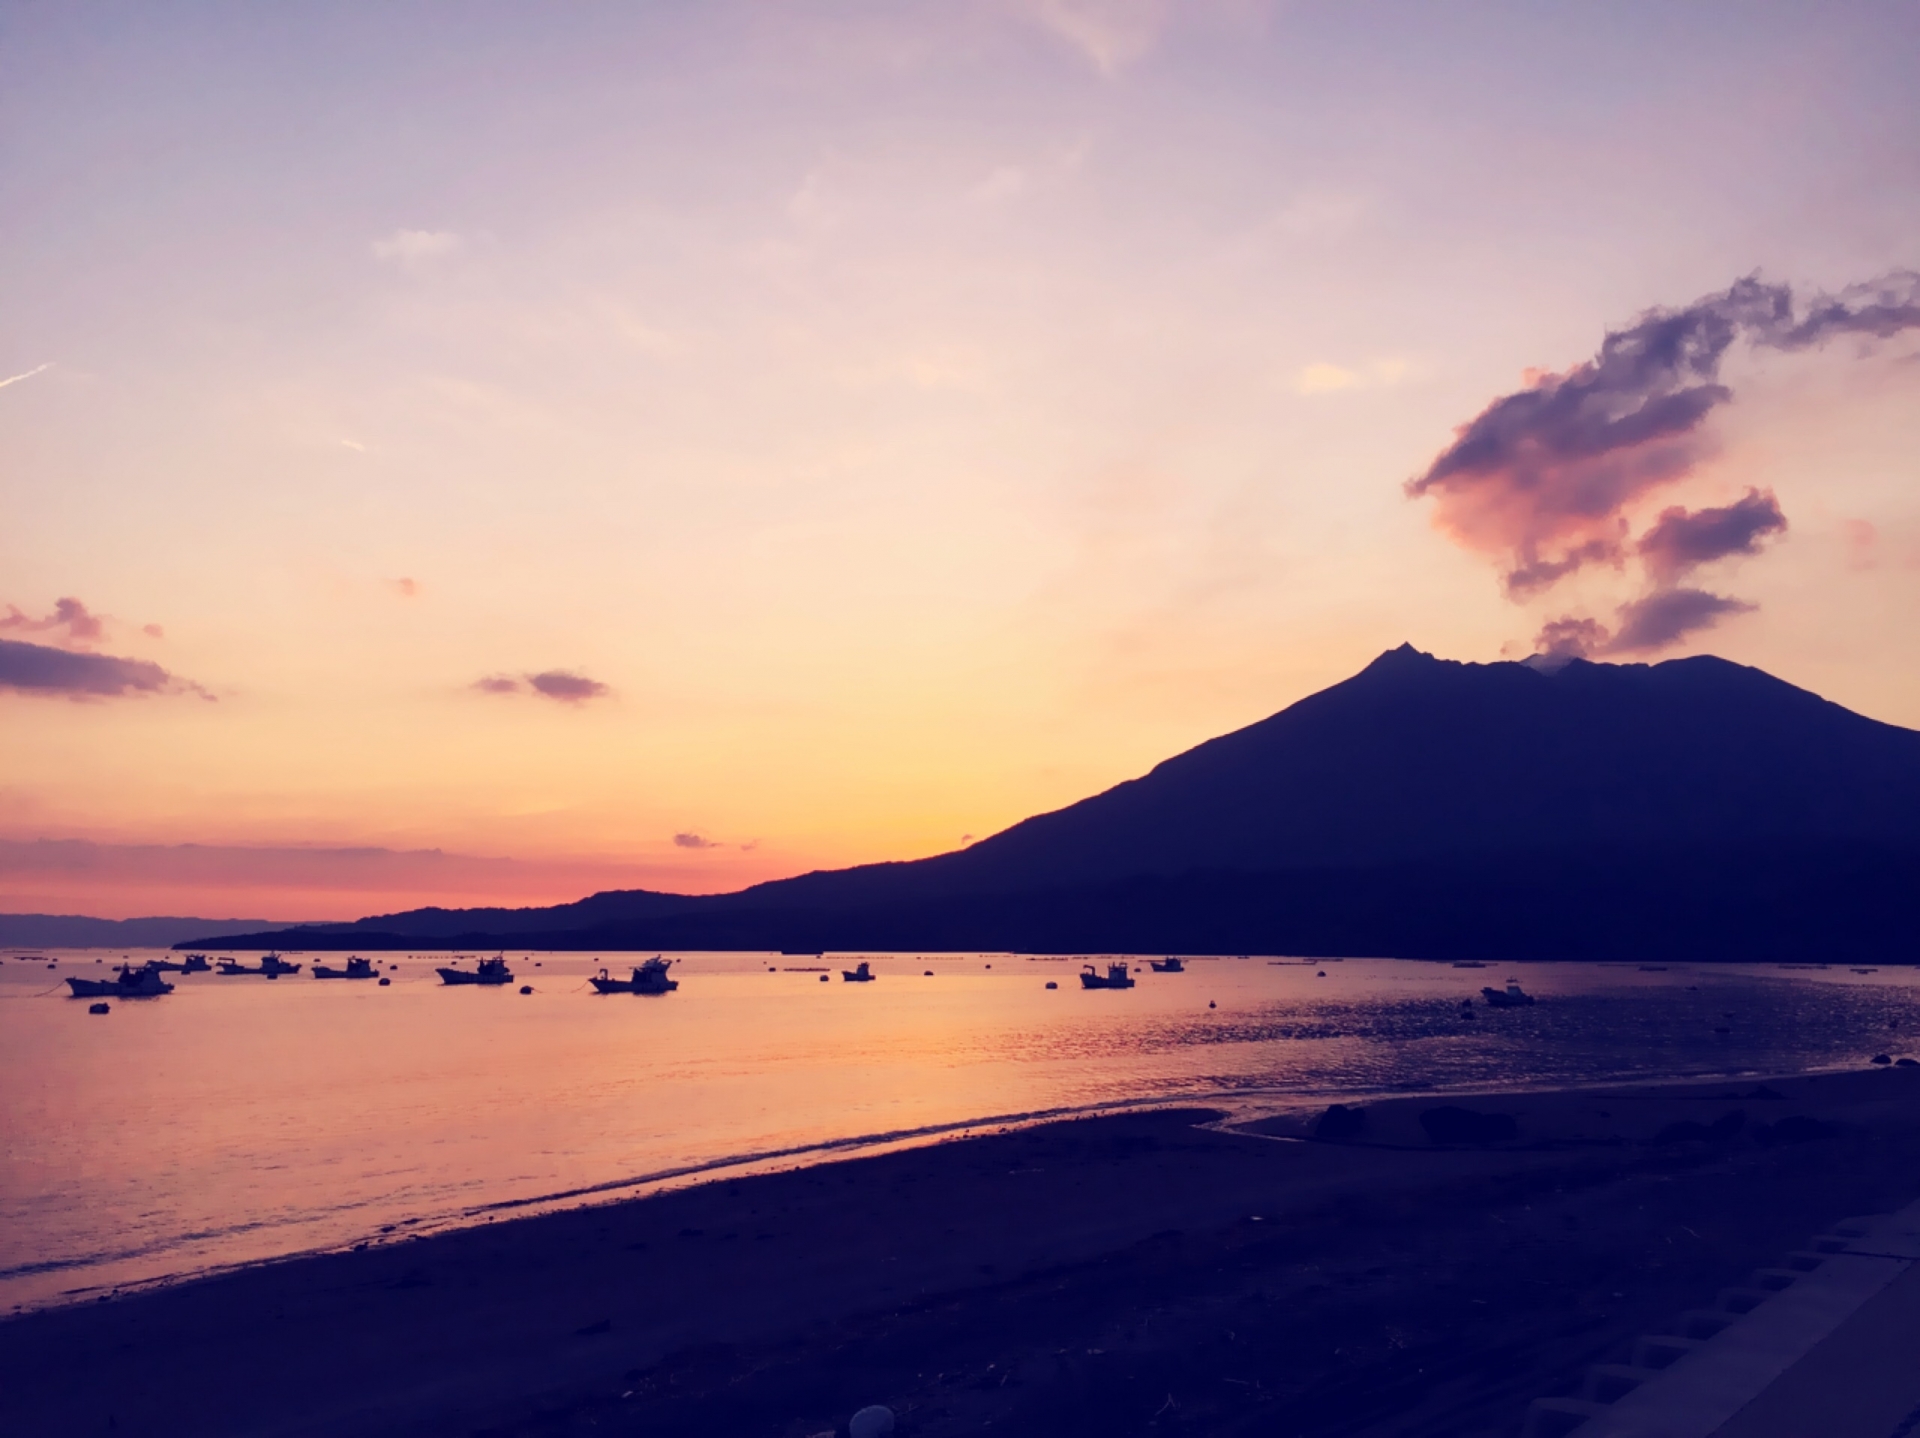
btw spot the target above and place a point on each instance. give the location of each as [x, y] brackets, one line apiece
[1404, 657]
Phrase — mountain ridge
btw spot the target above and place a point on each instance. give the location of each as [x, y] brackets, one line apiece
[1414, 766]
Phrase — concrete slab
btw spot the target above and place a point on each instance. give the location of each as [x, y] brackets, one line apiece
[1702, 1392]
[1861, 1381]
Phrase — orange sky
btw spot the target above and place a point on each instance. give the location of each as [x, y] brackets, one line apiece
[903, 421]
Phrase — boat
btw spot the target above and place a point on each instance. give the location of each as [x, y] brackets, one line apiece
[195, 964]
[1468, 964]
[272, 966]
[1168, 965]
[1115, 978]
[357, 968]
[1511, 997]
[491, 971]
[129, 983]
[860, 975]
[649, 978]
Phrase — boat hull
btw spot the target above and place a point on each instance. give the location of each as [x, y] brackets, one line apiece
[1500, 999]
[627, 986]
[460, 977]
[148, 987]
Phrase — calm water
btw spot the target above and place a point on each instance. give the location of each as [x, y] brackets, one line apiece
[238, 1119]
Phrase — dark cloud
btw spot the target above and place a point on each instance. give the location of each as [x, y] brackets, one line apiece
[1642, 626]
[1546, 480]
[70, 614]
[1667, 616]
[566, 687]
[1682, 540]
[693, 841]
[42, 669]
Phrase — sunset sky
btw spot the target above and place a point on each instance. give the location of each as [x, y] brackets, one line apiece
[488, 453]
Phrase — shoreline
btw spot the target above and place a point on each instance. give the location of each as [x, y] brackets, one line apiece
[1274, 1113]
[1053, 1252]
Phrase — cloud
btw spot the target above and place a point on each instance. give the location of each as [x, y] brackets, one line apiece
[1323, 378]
[693, 841]
[407, 588]
[1111, 34]
[567, 687]
[1863, 541]
[82, 626]
[300, 881]
[1547, 480]
[1571, 638]
[1667, 616]
[1681, 540]
[1642, 626]
[413, 247]
[560, 684]
[41, 669]
[26, 374]
[354, 445]
[153, 631]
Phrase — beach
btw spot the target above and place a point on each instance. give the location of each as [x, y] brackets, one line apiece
[1149, 1272]
[237, 1121]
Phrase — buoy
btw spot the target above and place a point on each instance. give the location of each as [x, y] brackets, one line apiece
[526, 988]
[1051, 984]
[1321, 975]
[384, 981]
[929, 973]
[823, 978]
[1211, 1004]
[873, 1422]
[97, 1008]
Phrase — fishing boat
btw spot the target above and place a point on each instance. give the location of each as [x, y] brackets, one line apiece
[129, 983]
[491, 971]
[1468, 964]
[1511, 997]
[271, 967]
[357, 968]
[861, 975]
[649, 978]
[195, 964]
[1116, 977]
[1168, 965]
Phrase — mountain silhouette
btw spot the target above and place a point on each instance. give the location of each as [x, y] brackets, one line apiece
[1422, 807]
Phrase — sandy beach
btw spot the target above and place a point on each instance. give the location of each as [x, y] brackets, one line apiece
[1154, 1272]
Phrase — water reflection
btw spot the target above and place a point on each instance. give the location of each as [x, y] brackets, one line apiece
[243, 1118]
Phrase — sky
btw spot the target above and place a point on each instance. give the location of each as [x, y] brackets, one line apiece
[490, 453]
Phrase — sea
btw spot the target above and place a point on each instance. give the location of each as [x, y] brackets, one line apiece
[239, 1120]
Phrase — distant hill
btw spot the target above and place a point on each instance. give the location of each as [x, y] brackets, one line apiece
[75, 931]
[1423, 806]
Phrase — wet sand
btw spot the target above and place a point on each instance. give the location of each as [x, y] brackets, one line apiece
[1146, 1273]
